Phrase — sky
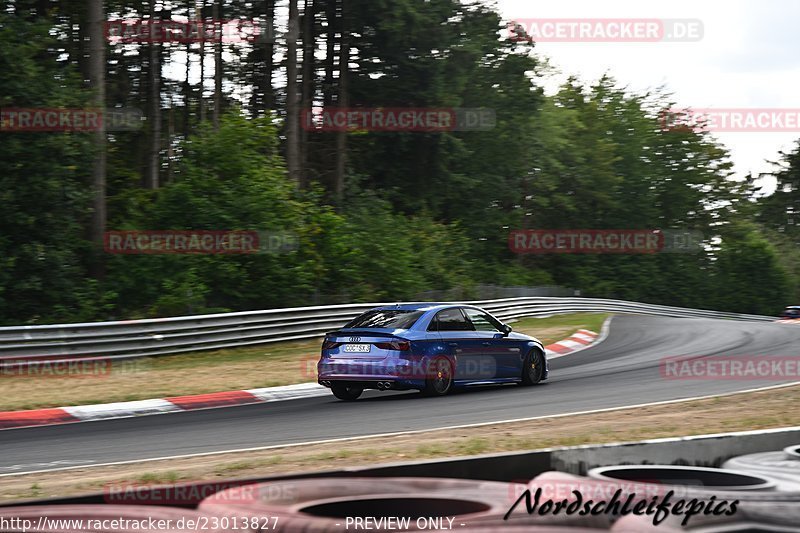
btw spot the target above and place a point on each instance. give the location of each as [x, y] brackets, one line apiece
[748, 57]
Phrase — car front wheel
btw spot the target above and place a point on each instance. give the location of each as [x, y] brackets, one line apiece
[348, 394]
[440, 377]
[533, 368]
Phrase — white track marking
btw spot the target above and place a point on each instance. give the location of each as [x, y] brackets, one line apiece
[104, 411]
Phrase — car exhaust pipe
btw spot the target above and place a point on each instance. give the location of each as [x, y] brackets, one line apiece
[380, 385]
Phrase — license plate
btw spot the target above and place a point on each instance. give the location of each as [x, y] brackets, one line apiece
[356, 348]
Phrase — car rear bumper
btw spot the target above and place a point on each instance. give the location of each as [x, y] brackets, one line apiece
[372, 370]
[386, 374]
[371, 382]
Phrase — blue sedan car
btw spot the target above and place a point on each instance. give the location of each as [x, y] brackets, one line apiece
[428, 347]
[793, 311]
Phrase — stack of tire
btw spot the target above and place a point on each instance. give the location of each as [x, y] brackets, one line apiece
[320, 505]
[325, 505]
[765, 502]
[782, 466]
[766, 488]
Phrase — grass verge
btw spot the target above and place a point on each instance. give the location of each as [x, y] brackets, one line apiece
[267, 365]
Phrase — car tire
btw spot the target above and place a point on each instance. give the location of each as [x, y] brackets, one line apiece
[533, 367]
[346, 393]
[439, 381]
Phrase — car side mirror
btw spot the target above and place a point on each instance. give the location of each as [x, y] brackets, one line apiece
[506, 329]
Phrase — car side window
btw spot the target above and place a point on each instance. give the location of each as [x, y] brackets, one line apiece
[452, 320]
[481, 321]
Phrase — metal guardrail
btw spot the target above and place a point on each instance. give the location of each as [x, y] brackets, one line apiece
[164, 336]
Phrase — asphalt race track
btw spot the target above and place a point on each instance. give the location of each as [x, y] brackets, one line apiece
[623, 370]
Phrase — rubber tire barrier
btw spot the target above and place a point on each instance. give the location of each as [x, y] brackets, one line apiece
[792, 452]
[643, 524]
[558, 486]
[759, 508]
[111, 512]
[749, 516]
[713, 476]
[775, 465]
[531, 529]
[691, 477]
[321, 504]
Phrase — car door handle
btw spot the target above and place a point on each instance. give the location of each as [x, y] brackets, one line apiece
[453, 344]
[487, 343]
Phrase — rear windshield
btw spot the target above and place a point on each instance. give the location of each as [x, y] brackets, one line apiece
[386, 318]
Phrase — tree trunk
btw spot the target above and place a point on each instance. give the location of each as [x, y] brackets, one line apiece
[97, 74]
[329, 90]
[187, 84]
[201, 104]
[260, 61]
[154, 152]
[309, 41]
[292, 136]
[269, 54]
[343, 101]
[77, 45]
[329, 85]
[170, 147]
[217, 63]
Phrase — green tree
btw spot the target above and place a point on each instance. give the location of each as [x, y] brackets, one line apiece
[44, 182]
[748, 275]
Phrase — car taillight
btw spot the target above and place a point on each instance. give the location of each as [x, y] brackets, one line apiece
[402, 346]
[328, 344]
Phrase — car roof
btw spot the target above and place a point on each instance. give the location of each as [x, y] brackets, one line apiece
[421, 306]
[793, 307]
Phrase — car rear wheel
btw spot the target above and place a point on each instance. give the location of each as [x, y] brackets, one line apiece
[533, 368]
[346, 393]
[440, 377]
